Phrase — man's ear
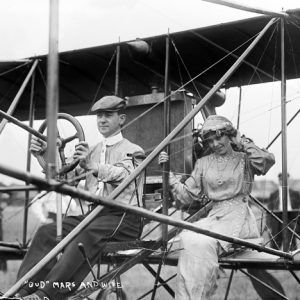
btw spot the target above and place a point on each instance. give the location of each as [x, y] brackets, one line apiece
[122, 119]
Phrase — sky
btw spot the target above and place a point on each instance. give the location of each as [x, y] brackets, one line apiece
[85, 23]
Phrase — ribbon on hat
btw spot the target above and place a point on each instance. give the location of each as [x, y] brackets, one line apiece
[215, 123]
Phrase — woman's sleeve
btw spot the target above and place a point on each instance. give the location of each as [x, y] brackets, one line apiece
[189, 190]
[260, 160]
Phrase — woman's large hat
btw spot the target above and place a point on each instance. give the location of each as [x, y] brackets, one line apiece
[215, 123]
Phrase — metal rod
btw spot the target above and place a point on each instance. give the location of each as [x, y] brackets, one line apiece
[278, 135]
[264, 284]
[139, 211]
[161, 280]
[22, 125]
[239, 108]
[117, 79]
[14, 103]
[229, 284]
[295, 276]
[156, 280]
[284, 142]
[258, 10]
[167, 124]
[28, 163]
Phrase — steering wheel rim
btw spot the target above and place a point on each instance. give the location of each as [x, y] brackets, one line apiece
[66, 167]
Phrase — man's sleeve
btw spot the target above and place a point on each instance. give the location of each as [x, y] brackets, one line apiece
[116, 173]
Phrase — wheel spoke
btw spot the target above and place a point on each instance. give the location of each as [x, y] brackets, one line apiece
[62, 156]
[69, 139]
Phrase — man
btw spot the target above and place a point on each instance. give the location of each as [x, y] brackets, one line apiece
[275, 205]
[106, 165]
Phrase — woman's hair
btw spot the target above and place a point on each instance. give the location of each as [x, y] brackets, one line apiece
[216, 126]
[230, 132]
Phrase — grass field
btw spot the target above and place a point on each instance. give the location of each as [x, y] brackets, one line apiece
[138, 280]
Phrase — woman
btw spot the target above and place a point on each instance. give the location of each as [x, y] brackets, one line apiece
[226, 177]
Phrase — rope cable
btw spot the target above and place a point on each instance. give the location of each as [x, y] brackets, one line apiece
[185, 67]
[263, 53]
[15, 68]
[101, 80]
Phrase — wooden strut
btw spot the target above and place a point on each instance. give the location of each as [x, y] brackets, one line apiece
[117, 76]
[284, 184]
[166, 166]
[239, 108]
[52, 96]
[28, 162]
[64, 189]
[52, 92]
[22, 125]
[19, 94]
[167, 123]
[11, 188]
[258, 10]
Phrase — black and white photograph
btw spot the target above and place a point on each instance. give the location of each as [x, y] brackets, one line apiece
[150, 149]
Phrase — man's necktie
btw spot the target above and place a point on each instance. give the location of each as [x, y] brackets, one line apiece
[102, 161]
[109, 141]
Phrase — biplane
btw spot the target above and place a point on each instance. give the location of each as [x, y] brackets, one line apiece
[167, 80]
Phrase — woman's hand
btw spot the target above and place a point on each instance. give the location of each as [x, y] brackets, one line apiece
[37, 146]
[236, 140]
[163, 157]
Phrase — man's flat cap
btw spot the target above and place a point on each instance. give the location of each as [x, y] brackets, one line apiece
[109, 103]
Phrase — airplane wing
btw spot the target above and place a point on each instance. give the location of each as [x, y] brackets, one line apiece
[87, 74]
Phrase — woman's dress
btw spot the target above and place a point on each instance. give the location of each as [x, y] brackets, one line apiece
[227, 181]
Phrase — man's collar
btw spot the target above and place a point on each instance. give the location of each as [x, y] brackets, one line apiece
[112, 140]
